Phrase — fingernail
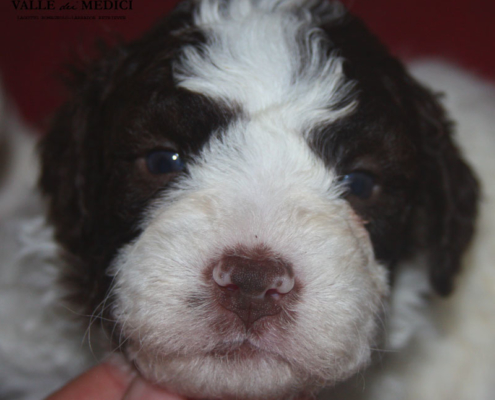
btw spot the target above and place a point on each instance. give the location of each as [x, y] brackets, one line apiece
[142, 390]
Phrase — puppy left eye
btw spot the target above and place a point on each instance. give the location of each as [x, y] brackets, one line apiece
[164, 162]
[360, 184]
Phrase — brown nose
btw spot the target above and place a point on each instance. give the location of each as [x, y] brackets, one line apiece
[252, 287]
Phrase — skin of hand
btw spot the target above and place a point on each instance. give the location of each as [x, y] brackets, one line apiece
[111, 381]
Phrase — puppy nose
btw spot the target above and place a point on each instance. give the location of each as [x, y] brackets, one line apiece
[252, 287]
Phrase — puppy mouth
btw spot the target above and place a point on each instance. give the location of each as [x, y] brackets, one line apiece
[231, 352]
[244, 350]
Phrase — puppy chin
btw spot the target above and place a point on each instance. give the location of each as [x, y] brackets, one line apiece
[246, 375]
[248, 369]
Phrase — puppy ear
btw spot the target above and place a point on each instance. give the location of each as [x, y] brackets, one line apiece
[72, 176]
[65, 159]
[449, 195]
[62, 177]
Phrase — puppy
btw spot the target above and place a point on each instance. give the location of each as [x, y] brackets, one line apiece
[247, 203]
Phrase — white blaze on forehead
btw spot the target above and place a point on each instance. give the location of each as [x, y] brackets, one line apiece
[263, 55]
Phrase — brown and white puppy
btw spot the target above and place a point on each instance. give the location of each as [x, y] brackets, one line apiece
[234, 194]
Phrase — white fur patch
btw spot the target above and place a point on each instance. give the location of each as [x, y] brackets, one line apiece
[41, 342]
[290, 73]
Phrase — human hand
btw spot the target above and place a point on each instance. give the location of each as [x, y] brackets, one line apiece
[109, 381]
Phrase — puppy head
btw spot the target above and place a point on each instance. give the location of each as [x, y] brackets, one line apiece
[232, 189]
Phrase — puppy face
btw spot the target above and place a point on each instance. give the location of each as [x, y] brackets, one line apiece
[232, 191]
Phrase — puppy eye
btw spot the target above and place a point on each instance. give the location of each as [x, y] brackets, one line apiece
[164, 162]
[359, 184]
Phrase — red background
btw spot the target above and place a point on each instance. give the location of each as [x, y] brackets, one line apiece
[32, 52]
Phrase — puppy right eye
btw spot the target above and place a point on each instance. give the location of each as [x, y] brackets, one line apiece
[164, 162]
